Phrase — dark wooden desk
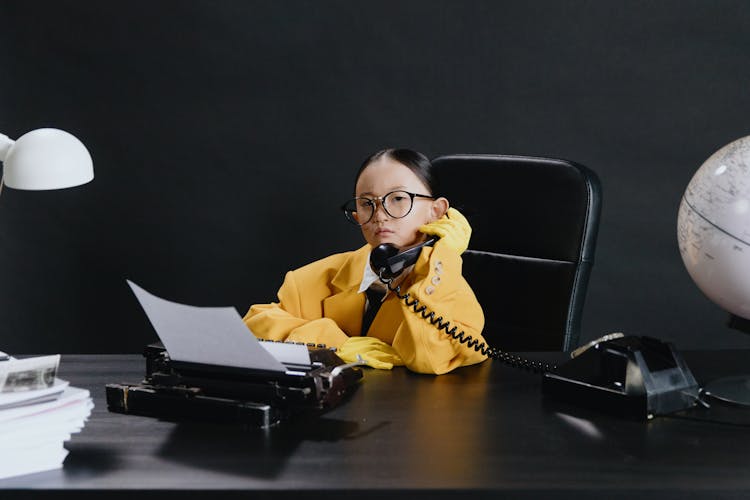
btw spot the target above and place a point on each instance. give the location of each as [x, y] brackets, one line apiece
[482, 431]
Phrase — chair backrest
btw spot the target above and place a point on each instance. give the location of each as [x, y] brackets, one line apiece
[534, 224]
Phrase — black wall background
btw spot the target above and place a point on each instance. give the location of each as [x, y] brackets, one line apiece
[225, 134]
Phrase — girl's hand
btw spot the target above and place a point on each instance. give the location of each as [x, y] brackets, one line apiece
[453, 229]
[373, 351]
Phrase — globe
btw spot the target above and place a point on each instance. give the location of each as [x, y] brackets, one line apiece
[713, 232]
[713, 228]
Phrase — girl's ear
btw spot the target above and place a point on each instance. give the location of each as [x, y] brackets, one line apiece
[439, 208]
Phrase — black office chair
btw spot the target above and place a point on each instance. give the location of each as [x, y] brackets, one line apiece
[534, 224]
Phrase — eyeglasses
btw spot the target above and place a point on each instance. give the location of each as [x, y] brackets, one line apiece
[397, 204]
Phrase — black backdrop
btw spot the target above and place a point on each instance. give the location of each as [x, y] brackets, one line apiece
[226, 133]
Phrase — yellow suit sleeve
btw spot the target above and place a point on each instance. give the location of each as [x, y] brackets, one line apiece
[437, 283]
[283, 320]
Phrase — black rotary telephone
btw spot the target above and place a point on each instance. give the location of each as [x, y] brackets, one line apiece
[637, 376]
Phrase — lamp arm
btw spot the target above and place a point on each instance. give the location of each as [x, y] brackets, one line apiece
[5, 144]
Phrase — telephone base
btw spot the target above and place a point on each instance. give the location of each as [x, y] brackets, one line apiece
[636, 377]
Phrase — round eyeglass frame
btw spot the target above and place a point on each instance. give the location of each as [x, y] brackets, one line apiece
[350, 216]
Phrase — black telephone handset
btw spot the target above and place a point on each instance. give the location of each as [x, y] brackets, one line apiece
[636, 376]
[388, 262]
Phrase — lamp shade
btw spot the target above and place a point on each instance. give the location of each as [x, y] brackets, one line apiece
[47, 158]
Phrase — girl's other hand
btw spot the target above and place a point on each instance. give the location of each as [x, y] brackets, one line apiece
[453, 229]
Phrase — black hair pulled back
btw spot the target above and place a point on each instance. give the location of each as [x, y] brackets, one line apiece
[413, 160]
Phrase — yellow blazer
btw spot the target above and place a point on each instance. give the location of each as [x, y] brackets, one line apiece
[320, 303]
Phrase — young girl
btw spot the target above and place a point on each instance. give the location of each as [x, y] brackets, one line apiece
[332, 301]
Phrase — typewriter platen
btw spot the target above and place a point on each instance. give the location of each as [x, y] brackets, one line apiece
[174, 390]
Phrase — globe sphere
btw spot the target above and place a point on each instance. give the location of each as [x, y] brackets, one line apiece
[713, 227]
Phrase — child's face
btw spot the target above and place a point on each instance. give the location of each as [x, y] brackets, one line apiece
[387, 175]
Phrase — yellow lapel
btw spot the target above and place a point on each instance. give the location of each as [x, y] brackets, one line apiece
[387, 320]
[345, 306]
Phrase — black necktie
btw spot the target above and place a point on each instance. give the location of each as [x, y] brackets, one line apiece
[374, 299]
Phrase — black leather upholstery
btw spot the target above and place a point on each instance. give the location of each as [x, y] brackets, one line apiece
[534, 224]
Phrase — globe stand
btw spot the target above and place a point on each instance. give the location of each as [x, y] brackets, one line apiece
[735, 389]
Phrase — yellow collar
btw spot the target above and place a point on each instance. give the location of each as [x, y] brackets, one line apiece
[349, 275]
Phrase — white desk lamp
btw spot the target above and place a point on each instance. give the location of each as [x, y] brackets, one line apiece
[46, 158]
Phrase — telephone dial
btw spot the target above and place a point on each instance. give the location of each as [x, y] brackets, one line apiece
[635, 376]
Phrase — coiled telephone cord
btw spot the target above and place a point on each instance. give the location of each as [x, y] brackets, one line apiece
[504, 357]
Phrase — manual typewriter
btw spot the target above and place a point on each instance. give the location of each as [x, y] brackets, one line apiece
[176, 390]
[208, 366]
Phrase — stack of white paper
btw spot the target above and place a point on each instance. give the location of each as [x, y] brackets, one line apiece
[34, 424]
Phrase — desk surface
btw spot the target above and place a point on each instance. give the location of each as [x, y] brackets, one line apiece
[485, 430]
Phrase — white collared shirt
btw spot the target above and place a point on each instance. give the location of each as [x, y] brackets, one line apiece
[369, 278]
